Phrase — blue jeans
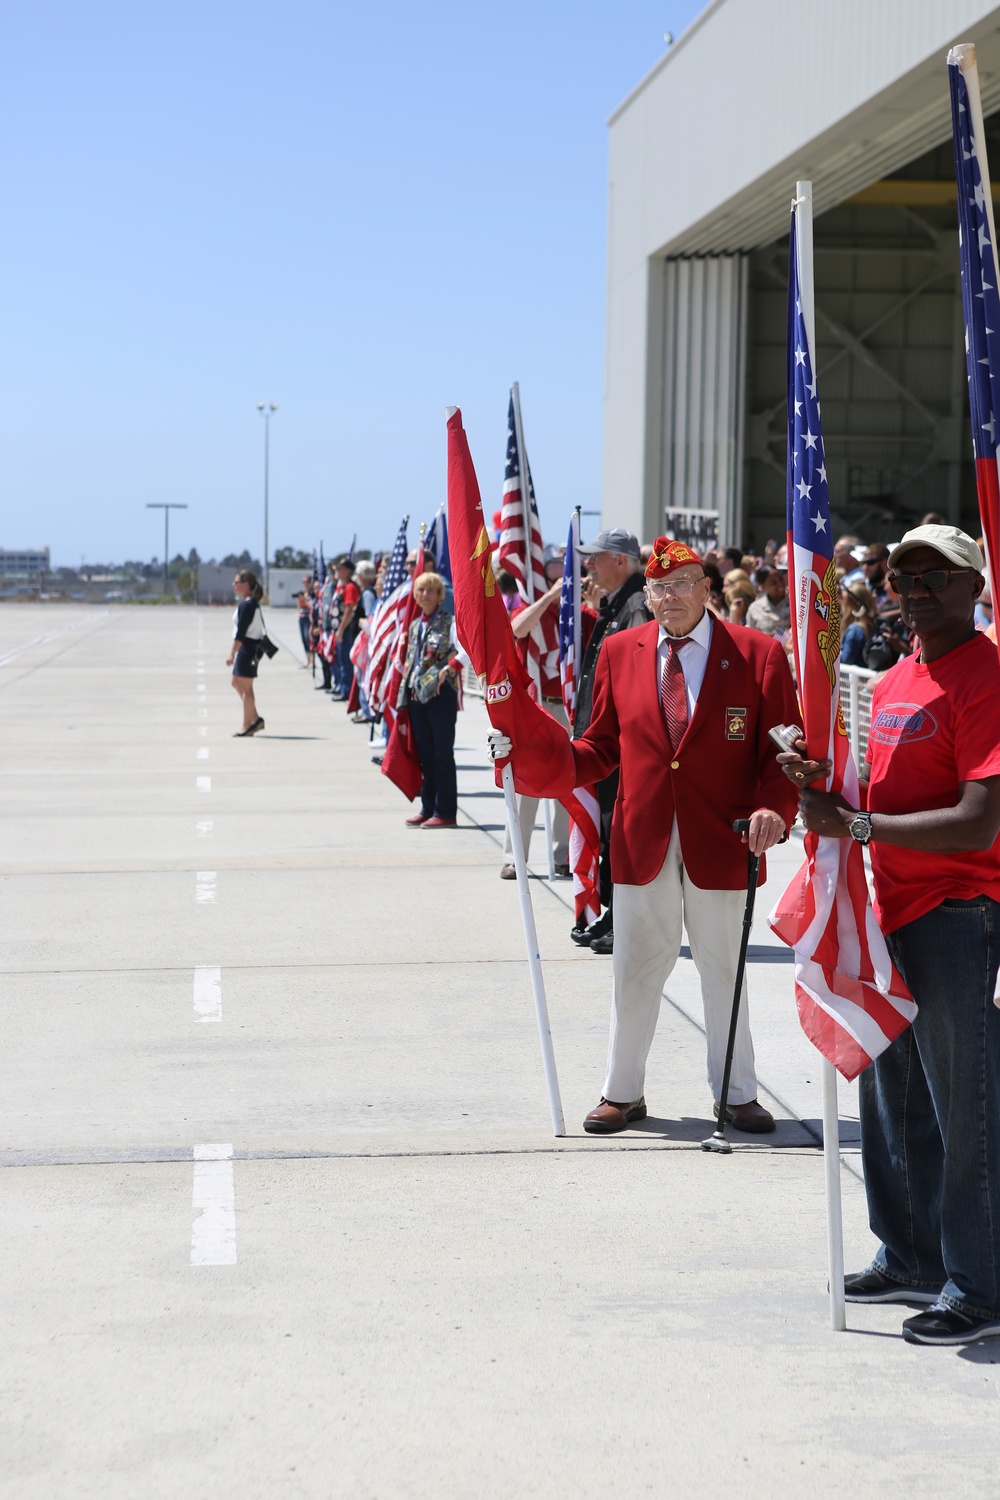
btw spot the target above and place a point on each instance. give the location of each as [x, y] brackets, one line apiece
[930, 1113]
[343, 667]
[433, 725]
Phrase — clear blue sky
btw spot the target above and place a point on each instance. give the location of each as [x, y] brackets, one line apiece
[362, 213]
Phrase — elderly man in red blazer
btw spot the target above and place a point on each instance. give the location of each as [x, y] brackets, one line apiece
[683, 707]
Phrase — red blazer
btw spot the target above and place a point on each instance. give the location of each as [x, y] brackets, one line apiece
[724, 768]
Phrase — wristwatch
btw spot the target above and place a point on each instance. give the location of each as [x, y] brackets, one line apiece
[860, 828]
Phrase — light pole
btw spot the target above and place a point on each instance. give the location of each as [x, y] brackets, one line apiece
[267, 410]
[166, 507]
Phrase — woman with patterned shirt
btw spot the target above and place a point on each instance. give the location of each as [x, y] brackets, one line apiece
[430, 691]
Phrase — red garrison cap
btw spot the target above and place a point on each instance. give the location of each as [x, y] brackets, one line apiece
[668, 555]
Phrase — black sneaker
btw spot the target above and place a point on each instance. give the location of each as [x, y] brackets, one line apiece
[873, 1286]
[942, 1324]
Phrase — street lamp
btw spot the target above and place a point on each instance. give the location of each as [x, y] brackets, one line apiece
[267, 410]
[166, 508]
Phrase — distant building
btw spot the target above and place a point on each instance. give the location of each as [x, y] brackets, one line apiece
[285, 585]
[24, 562]
[215, 584]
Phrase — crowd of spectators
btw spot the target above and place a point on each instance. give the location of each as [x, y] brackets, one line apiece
[747, 589]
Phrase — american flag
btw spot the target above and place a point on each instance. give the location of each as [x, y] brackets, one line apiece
[584, 836]
[980, 297]
[436, 545]
[851, 1001]
[521, 552]
[387, 618]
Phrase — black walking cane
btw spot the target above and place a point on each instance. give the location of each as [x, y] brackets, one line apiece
[717, 1141]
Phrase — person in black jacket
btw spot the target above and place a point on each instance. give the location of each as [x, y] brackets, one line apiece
[248, 632]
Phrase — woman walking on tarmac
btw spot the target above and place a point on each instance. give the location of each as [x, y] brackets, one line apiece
[248, 633]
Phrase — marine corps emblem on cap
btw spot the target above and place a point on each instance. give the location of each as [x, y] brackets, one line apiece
[668, 555]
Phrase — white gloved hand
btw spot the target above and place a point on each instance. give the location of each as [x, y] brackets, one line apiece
[498, 745]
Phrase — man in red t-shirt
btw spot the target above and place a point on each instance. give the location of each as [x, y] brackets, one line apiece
[930, 1103]
[345, 605]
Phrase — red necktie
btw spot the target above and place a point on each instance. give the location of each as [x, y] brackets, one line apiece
[673, 693]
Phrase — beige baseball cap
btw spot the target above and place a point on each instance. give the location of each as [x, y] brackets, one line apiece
[953, 544]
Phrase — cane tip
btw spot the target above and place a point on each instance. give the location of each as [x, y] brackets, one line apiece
[718, 1143]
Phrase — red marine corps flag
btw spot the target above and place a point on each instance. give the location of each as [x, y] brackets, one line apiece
[483, 627]
[851, 1001]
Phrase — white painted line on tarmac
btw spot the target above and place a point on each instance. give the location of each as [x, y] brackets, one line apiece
[204, 828]
[205, 885]
[52, 635]
[203, 752]
[213, 1238]
[203, 783]
[207, 994]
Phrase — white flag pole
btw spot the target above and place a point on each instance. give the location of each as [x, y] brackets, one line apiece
[834, 1214]
[534, 957]
[831, 1111]
[530, 938]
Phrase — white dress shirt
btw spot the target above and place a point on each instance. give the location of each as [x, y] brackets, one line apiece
[693, 657]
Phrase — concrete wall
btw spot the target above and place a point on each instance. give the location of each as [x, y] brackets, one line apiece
[705, 152]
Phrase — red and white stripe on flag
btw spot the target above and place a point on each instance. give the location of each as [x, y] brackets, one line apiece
[585, 853]
[386, 625]
[851, 1001]
[521, 548]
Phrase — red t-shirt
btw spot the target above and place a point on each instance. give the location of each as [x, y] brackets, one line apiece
[933, 726]
[348, 593]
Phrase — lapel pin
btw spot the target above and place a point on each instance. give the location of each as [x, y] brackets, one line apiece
[723, 663]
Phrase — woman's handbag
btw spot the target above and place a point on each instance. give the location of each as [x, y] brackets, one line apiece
[267, 646]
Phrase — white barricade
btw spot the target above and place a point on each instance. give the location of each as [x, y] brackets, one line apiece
[856, 704]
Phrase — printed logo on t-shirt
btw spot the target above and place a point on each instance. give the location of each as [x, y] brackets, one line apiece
[902, 724]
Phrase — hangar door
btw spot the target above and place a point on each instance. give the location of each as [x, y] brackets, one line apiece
[704, 343]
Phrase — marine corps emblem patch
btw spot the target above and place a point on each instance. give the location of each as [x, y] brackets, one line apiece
[736, 723]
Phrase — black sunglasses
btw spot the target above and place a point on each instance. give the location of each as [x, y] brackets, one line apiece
[934, 581]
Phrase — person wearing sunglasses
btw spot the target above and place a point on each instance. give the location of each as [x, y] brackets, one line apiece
[930, 1103]
[682, 707]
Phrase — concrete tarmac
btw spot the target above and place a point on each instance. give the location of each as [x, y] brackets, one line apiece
[284, 1212]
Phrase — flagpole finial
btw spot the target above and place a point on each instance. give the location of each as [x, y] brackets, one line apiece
[423, 530]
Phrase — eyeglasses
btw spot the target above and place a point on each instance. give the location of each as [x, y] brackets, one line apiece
[934, 581]
[659, 588]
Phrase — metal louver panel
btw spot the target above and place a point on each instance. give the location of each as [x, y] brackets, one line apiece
[704, 343]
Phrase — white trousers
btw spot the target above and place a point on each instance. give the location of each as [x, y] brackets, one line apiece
[527, 811]
[648, 924]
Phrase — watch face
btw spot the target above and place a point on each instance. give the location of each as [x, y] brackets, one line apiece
[861, 829]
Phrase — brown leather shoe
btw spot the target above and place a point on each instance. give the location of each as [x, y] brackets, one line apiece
[609, 1117]
[752, 1117]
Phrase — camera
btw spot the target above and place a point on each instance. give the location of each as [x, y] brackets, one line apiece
[784, 736]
